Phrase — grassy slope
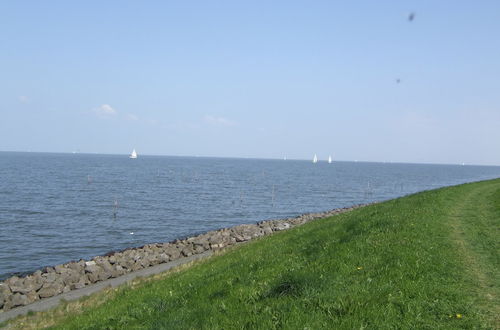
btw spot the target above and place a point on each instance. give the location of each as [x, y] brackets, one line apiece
[428, 260]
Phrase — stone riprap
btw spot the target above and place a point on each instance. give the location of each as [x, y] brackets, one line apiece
[51, 281]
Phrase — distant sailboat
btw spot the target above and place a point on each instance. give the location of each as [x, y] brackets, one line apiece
[133, 155]
[329, 159]
[315, 159]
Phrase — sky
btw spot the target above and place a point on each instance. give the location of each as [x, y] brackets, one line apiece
[266, 79]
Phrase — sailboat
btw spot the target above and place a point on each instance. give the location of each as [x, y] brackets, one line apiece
[133, 155]
[329, 159]
[315, 159]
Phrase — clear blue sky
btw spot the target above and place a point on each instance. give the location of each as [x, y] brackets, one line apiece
[253, 79]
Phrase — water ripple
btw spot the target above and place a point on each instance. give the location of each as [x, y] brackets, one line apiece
[55, 207]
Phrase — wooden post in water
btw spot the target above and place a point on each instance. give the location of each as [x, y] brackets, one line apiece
[272, 196]
[115, 208]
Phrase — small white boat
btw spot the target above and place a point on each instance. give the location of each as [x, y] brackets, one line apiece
[329, 159]
[133, 155]
[315, 159]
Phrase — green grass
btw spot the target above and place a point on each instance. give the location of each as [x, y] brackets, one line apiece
[426, 261]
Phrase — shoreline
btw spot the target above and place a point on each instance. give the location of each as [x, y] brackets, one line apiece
[52, 302]
[17, 293]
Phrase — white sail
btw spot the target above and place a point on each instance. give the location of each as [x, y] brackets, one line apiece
[315, 159]
[133, 155]
[329, 159]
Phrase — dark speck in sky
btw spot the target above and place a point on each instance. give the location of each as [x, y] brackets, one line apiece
[411, 17]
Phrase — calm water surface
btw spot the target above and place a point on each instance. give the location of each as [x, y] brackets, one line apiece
[60, 207]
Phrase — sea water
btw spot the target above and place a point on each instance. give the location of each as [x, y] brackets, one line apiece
[60, 207]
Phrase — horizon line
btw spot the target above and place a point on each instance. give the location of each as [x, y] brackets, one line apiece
[247, 157]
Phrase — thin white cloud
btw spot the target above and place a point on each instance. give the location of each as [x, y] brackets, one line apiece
[131, 117]
[219, 121]
[23, 99]
[105, 110]
[152, 122]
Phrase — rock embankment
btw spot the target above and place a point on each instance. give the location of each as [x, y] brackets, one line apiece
[50, 281]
